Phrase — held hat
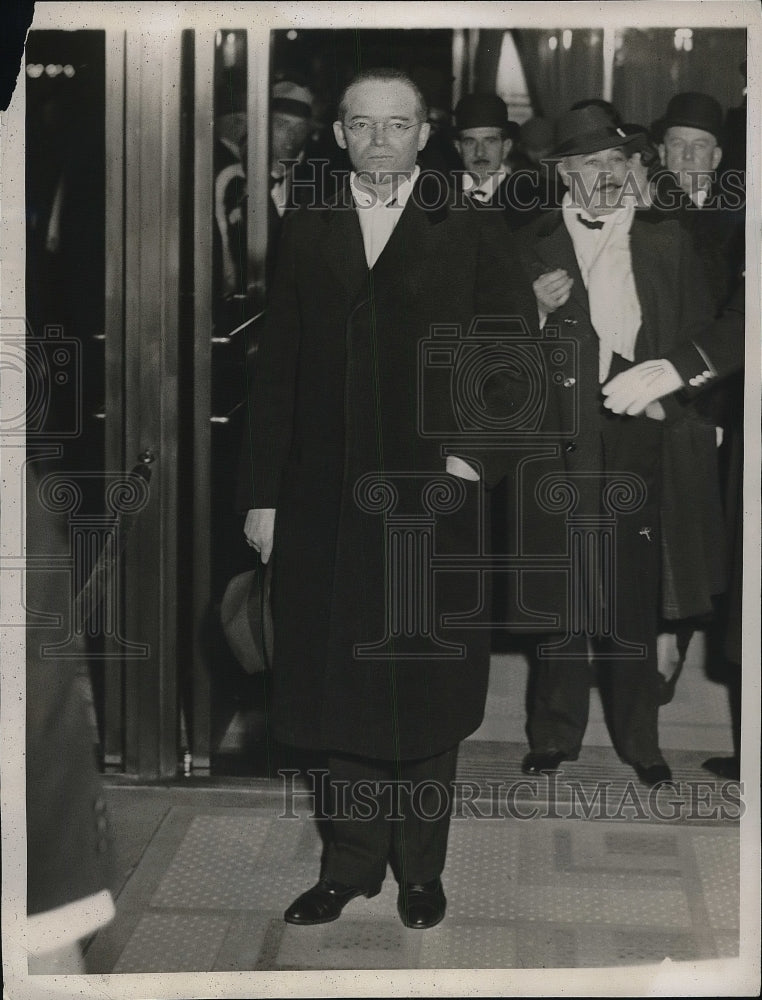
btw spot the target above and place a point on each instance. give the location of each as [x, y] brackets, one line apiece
[292, 99]
[588, 130]
[693, 110]
[484, 111]
[247, 619]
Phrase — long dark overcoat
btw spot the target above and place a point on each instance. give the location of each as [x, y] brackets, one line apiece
[685, 501]
[364, 661]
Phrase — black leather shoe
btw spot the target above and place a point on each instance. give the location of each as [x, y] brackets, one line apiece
[421, 905]
[324, 902]
[723, 767]
[653, 774]
[539, 761]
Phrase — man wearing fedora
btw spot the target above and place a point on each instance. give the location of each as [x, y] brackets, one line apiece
[485, 139]
[621, 291]
[334, 459]
[290, 123]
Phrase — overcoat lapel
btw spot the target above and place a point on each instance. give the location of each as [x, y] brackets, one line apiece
[647, 245]
[342, 247]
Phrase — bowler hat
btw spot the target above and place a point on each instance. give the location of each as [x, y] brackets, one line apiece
[484, 111]
[693, 110]
[588, 130]
[247, 619]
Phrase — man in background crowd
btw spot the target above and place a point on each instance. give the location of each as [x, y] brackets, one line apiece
[485, 138]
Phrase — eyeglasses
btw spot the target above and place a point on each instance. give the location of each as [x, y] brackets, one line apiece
[388, 128]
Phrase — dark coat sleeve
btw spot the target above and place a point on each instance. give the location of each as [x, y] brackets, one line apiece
[269, 420]
[716, 352]
[69, 846]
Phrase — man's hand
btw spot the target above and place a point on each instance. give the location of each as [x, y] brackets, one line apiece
[259, 529]
[552, 290]
[457, 467]
[634, 390]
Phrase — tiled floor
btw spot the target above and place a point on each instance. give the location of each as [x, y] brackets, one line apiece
[587, 873]
[622, 879]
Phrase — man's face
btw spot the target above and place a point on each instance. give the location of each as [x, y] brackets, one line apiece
[595, 179]
[382, 129]
[483, 150]
[289, 133]
[692, 154]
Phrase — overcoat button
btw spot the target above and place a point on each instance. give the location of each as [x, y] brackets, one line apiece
[569, 382]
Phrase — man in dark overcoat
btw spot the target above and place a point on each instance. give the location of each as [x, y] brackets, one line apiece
[617, 291]
[342, 487]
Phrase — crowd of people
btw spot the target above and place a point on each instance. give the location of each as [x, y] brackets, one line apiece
[619, 248]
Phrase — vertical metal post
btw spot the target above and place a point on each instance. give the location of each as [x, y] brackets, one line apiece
[152, 127]
[258, 162]
[203, 216]
[114, 358]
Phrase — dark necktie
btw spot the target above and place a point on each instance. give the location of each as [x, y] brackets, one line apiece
[591, 224]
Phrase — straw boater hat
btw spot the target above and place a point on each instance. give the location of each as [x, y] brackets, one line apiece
[247, 620]
[588, 130]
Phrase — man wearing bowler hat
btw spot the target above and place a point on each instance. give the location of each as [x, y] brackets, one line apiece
[691, 149]
[691, 142]
[617, 291]
[485, 138]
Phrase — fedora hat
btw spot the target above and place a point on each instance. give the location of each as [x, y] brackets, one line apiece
[693, 110]
[588, 130]
[484, 111]
[247, 619]
[292, 98]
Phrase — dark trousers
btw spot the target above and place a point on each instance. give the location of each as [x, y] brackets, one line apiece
[615, 619]
[396, 811]
[559, 701]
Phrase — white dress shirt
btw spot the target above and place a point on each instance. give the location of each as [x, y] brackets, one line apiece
[485, 191]
[378, 218]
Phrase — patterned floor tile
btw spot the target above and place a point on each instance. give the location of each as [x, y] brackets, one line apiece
[718, 860]
[173, 942]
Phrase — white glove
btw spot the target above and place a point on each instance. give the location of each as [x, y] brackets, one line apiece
[634, 390]
[259, 529]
